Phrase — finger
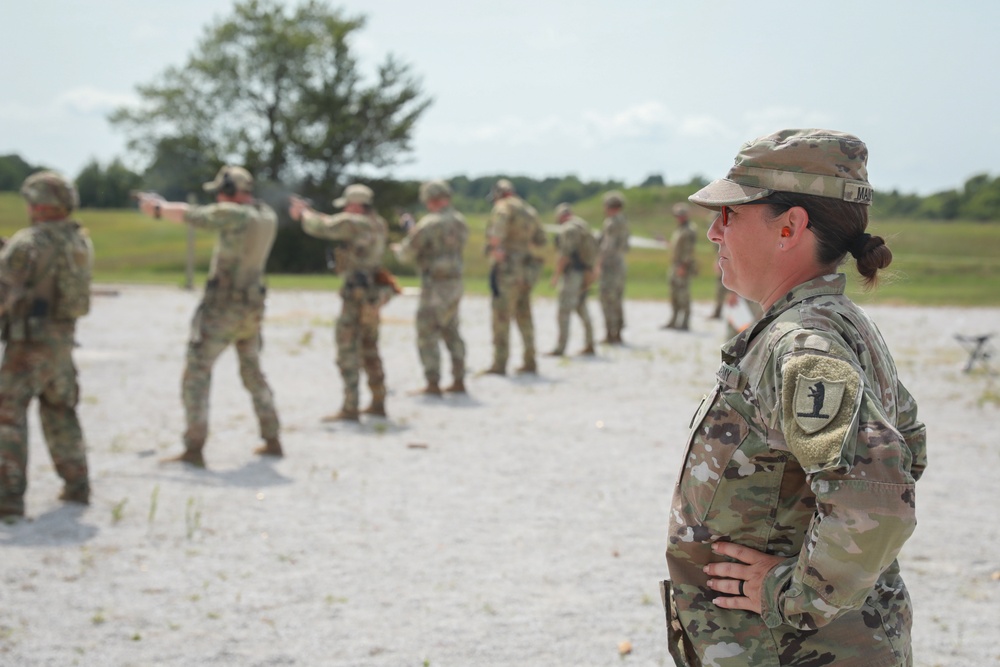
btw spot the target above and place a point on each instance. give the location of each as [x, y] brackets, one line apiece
[735, 602]
[728, 586]
[727, 570]
[737, 551]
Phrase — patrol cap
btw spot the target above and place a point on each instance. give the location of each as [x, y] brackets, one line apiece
[49, 188]
[563, 209]
[356, 193]
[503, 187]
[614, 198]
[824, 163]
[434, 190]
[680, 209]
[238, 176]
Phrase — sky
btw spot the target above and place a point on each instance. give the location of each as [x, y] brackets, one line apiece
[602, 90]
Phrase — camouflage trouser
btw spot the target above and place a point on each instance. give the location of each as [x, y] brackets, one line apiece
[573, 297]
[514, 282]
[44, 370]
[356, 336]
[680, 299]
[437, 320]
[213, 329]
[612, 297]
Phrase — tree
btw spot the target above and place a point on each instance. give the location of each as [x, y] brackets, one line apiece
[653, 180]
[281, 94]
[13, 171]
[106, 188]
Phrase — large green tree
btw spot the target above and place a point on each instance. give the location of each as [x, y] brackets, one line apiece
[110, 187]
[279, 90]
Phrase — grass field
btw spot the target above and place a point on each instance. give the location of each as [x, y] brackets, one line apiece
[955, 263]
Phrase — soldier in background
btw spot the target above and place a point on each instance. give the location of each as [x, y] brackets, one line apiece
[44, 287]
[576, 256]
[611, 266]
[682, 269]
[513, 232]
[436, 244]
[232, 309]
[361, 235]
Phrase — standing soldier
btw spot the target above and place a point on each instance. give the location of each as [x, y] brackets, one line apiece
[513, 231]
[436, 244]
[361, 236]
[44, 287]
[681, 270]
[232, 309]
[611, 267]
[576, 256]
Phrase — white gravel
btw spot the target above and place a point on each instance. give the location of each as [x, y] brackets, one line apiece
[523, 524]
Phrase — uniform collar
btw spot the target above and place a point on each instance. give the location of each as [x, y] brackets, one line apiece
[830, 284]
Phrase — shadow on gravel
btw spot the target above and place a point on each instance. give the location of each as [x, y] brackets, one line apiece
[57, 527]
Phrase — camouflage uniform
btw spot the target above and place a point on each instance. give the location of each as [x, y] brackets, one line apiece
[574, 282]
[614, 245]
[436, 244]
[230, 313]
[807, 448]
[361, 241]
[514, 226]
[38, 331]
[682, 268]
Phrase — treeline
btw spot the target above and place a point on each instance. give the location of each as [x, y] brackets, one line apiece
[472, 194]
[109, 186]
[979, 199]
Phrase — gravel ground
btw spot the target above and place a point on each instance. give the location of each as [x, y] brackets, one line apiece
[522, 524]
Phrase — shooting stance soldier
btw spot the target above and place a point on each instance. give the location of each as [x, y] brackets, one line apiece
[44, 287]
[232, 309]
[361, 235]
[513, 232]
[436, 244]
[576, 250]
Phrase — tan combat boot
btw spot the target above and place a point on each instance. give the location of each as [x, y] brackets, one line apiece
[190, 456]
[457, 387]
[432, 389]
[529, 368]
[344, 415]
[271, 447]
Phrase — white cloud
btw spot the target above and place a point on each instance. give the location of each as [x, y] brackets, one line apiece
[90, 100]
[645, 121]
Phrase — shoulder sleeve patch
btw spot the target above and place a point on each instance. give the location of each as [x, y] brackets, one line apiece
[819, 397]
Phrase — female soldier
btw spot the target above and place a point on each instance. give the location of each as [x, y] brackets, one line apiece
[797, 489]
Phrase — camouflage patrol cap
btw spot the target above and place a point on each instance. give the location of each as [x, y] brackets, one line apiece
[503, 186]
[434, 190]
[238, 176]
[49, 188]
[824, 163]
[563, 209]
[614, 199]
[680, 209]
[356, 193]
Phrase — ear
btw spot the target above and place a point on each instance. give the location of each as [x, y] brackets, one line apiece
[796, 219]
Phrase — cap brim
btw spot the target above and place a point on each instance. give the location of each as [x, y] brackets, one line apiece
[340, 202]
[211, 186]
[724, 192]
